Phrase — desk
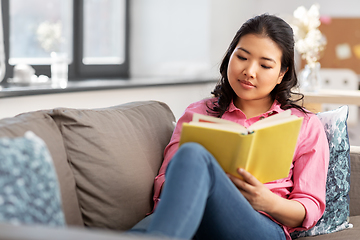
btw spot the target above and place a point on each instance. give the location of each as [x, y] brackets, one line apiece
[318, 102]
[343, 97]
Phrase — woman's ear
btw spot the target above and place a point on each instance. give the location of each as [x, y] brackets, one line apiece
[281, 75]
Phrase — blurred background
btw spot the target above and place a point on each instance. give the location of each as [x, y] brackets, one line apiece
[161, 38]
[128, 40]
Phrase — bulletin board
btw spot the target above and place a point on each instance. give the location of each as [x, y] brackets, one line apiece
[343, 43]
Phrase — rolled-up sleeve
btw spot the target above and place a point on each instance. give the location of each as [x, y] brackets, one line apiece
[310, 171]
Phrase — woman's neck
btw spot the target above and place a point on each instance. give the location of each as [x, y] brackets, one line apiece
[253, 108]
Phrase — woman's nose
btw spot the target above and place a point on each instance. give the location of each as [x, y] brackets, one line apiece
[250, 70]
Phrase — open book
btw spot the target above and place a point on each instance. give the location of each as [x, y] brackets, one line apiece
[265, 149]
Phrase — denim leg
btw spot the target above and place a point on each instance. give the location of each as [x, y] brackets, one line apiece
[199, 200]
[184, 195]
[228, 215]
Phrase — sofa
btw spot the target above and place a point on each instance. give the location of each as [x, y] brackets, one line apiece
[105, 161]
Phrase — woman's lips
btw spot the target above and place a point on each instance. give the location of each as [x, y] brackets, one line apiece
[246, 84]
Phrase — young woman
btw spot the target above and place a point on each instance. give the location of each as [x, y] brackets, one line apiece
[198, 199]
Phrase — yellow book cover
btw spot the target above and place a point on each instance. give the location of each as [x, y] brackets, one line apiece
[265, 149]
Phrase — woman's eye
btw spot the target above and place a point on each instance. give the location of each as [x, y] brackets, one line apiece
[266, 67]
[241, 58]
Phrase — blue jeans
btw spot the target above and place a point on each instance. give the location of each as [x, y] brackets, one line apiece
[199, 200]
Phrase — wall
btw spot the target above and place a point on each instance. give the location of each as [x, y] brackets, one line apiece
[169, 37]
[176, 38]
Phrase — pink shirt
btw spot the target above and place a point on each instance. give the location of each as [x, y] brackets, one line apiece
[306, 182]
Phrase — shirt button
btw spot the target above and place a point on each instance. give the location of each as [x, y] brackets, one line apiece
[271, 113]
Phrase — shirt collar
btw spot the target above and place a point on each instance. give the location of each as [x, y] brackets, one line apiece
[275, 108]
[232, 107]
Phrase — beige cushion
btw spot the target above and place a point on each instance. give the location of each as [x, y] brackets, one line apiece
[115, 153]
[43, 126]
[355, 184]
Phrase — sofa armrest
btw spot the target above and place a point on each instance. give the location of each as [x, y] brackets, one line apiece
[355, 181]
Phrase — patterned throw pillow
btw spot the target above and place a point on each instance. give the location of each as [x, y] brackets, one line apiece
[29, 191]
[336, 214]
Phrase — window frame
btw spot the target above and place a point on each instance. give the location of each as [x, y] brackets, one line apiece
[77, 69]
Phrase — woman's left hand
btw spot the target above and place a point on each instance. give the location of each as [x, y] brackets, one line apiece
[257, 194]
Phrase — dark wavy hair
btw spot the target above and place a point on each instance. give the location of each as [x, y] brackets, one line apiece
[281, 33]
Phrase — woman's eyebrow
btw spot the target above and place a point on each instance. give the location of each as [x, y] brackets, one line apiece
[243, 49]
[269, 59]
[264, 58]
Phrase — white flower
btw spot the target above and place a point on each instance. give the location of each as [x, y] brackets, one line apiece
[314, 17]
[309, 41]
[50, 35]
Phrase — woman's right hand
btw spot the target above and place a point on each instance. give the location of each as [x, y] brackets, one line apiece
[288, 212]
[257, 194]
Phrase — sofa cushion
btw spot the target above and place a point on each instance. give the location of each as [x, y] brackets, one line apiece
[115, 154]
[29, 189]
[44, 127]
[348, 234]
[335, 217]
[355, 181]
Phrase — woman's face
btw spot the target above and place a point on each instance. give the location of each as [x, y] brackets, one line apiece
[254, 68]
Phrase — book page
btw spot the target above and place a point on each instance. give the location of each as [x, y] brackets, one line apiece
[225, 127]
[273, 120]
[204, 118]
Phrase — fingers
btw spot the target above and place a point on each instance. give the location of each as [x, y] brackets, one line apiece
[252, 189]
[248, 177]
[242, 185]
[248, 183]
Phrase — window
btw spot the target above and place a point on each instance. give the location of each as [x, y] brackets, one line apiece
[101, 28]
[92, 33]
